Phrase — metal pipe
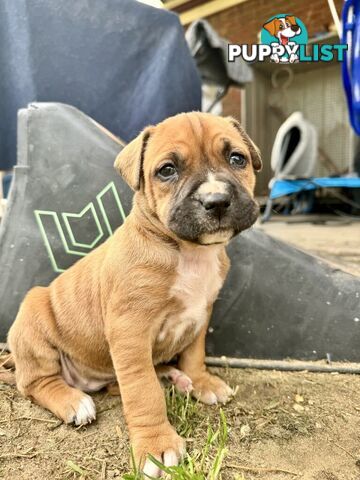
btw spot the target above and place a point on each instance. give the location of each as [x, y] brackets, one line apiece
[283, 365]
[335, 17]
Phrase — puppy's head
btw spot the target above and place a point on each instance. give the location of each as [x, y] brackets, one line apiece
[283, 28]
[196, 174]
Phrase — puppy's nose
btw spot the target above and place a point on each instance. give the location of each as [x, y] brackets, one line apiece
[295, 28]
[215, 201]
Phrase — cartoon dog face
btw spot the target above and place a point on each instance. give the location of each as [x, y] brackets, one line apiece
[283, 28]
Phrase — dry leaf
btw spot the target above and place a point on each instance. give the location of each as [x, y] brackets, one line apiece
[244, 431]
[298, 408]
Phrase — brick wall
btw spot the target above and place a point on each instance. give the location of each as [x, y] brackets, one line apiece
[242, 23]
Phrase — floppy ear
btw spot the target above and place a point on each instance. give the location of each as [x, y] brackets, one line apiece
[291, 19]
[129, 162]
[270, 26]
[254, 151]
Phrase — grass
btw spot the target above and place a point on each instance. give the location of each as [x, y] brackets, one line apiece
[204, 463]
[73, 471]
[183, 413]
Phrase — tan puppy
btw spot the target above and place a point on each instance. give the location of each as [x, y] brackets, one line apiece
[146, 294]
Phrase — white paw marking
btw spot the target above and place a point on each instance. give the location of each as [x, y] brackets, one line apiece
[151, 470]
[170, 458]
[86, 411]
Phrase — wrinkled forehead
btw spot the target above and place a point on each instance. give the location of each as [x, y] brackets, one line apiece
[193, 136]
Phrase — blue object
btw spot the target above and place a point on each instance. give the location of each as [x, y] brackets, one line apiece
[6, 182]
[124, 63]
[288, 187]
[351, 63]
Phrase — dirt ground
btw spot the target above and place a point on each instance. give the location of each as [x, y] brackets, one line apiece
[337, 241]
[306, 424]
[281, 425]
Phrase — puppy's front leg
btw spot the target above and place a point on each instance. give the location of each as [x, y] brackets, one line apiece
[142, 396]
[207, 388]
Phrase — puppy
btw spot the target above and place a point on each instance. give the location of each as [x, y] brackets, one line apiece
[145, 295]
[283, 29]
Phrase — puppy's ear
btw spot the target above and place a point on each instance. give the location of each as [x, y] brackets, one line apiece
[129, 162]
[291, 19]
[270, 26]
[254, 151]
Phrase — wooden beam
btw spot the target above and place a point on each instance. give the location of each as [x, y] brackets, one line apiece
[171, 4]
[209, 8]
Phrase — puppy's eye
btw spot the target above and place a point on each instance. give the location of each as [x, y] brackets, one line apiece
[237, 160]
[166, 171]
[281, 27]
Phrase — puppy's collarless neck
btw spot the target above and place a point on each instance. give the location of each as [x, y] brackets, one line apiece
[148, 225]
[197, 250]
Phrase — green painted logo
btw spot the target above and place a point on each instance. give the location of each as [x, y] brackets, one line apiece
[71, 245]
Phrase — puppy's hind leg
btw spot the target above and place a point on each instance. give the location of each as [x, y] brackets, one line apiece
[166, 374]
[172, 375]
[37, 360]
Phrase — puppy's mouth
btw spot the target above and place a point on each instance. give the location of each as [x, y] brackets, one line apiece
[284, 40]
[223, 235]
[191, 223]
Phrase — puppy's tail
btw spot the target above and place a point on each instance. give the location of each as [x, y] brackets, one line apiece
[7, 366]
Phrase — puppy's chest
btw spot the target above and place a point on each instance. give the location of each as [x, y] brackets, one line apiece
[197, 284]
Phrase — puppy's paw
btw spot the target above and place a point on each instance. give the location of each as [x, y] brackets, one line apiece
[163, 443]
[176, 377]
[182, 382]
[169, 458]
[210, 389]
[84, 412]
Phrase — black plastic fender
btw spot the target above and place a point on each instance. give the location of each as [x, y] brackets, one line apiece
[66, 198]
